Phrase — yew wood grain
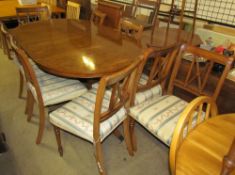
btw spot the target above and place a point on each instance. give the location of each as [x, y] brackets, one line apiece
[76, 49]
[203, 150]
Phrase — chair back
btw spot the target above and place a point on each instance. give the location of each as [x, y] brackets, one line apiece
[31, 14]
[199, 78]
[146, 21]
[5, 40]
[29, 73]
[98, 17]
[119, 87]
[73, 10]
[197, 111]
[132, 30]
[157, 66]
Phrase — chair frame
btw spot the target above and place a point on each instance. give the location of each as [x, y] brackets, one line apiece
[31, 14]
[98, 14]
[72, 10]
[122, 84]
[185, 123]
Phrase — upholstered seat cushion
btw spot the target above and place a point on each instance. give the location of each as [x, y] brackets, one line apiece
[159, 115]
[147, 94]
[77, 116]
[56, 89]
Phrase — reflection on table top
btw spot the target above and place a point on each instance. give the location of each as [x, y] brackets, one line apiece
[8, 8]
[203, 149]
[165, 37]
[74, 48]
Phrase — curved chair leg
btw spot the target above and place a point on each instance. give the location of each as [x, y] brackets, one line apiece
[41, 124]
[29, 106]
[127, 137]
[99, 158]
[132, 134]
[58, 139]
[21, 85]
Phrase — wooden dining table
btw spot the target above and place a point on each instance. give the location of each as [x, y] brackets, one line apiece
[8, 9]
[76, 49]
[203, 150]
[166, 36]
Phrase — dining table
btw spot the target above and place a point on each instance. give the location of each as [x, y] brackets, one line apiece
[203, 150]
[76, 48]
[8, 9]
[166, 36]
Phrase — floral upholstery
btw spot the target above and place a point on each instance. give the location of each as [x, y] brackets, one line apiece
[77, 116]
[148, 94]
[159, 115]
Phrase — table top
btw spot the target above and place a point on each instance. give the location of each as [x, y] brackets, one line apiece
[8, 8]
[203, 149]
[164, 37]
[77, 49]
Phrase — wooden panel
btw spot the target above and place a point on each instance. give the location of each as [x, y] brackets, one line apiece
[113, 11]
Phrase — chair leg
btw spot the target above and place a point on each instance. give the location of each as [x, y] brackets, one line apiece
[41, 124]
[99, 158]
[58, 139]
[132, 134]
[126, 128]
[29, 106]
[21, 85]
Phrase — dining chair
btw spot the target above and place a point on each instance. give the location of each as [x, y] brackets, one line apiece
[147, 21]
[98, 17]
[132, 30]
[31, 14]
[196, 112]
[156, 68]
[97, 113]
[7, 49]
[160, 114]
[72, 10]
[45, 89]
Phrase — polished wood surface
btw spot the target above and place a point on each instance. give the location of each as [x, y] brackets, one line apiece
[203, 150]
[8, 8]
[113, 13]
[165, 37]
[74, 48]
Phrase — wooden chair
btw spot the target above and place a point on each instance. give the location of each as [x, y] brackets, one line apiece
[31, 14]
[45, 89]
[7, 49]
[146, 21]
[97, 113]
[73, 10]
[98, 17]
[155, 70]
[197, 111]
[132, 30]
[160, 114]
[229, 161]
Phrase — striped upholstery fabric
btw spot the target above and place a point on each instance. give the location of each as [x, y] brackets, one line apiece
[55, 89]
[77, 116]
[148, 94]
[159, 115]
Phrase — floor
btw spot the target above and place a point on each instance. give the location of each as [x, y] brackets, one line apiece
[24, 157]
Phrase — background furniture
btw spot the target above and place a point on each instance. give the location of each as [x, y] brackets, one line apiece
[98, 17]
[77, 47]
[113, 13]
[72, 10]
[8, 9]
[202, 151]
[31, 14]
[197, 111]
